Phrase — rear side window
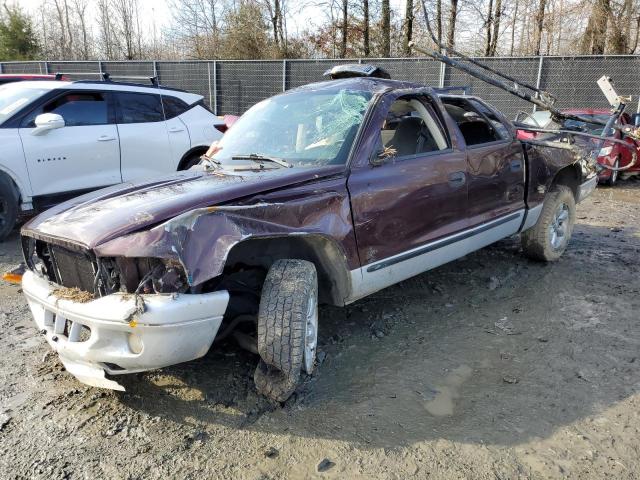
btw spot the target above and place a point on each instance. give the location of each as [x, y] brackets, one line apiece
[173, 107]
[77, 108]
[138, 108]
[477, 123]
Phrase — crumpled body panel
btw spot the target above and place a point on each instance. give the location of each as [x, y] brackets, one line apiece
[202, 238]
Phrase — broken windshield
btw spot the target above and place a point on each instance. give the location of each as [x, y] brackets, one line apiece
[304, 128]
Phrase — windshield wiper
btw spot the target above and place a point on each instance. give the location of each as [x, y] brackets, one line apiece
[262, 158]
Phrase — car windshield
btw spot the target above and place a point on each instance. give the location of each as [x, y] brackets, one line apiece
[590, 128]
[13, 97]
[304, 128]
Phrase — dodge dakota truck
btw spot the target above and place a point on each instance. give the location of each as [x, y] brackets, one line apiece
[323, 194]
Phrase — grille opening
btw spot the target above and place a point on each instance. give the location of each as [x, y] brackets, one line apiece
[76, 332]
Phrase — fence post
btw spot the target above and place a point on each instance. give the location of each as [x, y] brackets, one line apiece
[443, 72]
[1, 67]
[46, 67]
[213, 94]
[155, 70]
[284, 75]
[539, 78]
[100, 68]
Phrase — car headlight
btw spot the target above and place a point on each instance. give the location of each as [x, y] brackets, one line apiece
[604, 151]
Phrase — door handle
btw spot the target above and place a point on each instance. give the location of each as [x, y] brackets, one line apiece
[457, 179]
[176, 130]
[106, 138]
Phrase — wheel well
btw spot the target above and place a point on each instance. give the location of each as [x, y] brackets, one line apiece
[333, 275]
[193, 152]
[9, 180]
[568, 176]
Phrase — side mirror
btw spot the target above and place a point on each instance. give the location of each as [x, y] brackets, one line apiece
[635, 119]
[47, 121]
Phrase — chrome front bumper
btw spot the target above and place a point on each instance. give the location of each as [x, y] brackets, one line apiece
[111, 335]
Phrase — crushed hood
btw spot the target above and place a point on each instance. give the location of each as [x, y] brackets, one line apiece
[100, 216]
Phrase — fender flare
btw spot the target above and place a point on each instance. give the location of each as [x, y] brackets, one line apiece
[24, 196]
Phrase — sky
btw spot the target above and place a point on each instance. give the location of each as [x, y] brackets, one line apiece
[159, 11]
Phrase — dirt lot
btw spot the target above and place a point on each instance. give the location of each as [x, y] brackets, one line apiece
[491, 367]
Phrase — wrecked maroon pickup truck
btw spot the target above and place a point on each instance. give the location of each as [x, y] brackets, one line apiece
[323, 194]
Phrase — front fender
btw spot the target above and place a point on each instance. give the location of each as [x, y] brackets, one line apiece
[202, 239]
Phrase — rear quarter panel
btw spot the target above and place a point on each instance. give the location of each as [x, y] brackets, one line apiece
[201, 125]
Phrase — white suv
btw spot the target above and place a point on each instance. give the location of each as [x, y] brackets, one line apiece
[60, 139]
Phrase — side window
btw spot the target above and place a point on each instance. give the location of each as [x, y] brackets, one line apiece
[77, 109]
[410, 129]
[138, 108]
[173, 107]
[477, 123]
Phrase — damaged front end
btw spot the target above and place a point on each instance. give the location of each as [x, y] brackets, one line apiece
[116, 315]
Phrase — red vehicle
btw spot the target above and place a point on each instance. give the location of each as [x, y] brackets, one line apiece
[19, 77]
[612, 154]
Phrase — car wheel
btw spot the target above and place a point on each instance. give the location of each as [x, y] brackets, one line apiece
[548, 239]
[287, 327]
[8, 207]
[613, 178]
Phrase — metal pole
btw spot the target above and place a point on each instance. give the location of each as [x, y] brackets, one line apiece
[538, 79]
[284, 75]
[1, 68]
[215, 87]
[209, 83]
[443, 72]
[100, 68]
[155, 70]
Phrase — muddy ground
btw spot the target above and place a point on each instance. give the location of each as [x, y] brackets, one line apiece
[490, 367]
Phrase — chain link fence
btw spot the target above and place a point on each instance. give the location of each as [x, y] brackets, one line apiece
[232, 86]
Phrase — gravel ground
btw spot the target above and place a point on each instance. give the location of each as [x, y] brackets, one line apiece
[490, 367]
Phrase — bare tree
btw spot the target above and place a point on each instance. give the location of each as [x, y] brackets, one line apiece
[386, 29]
[365, 27]
[539, 26]
[496, 29]
[408, 27]
[451, 27]
[345, 28]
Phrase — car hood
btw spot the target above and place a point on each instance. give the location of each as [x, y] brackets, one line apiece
[103, 215]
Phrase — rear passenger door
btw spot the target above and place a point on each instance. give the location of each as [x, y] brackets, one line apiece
[495, 162]
[178, 132]
[145, 149]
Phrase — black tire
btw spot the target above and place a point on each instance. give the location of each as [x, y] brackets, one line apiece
[8, 207]
[288, 289]
[613, 178]
[190, 161]
[537, 242]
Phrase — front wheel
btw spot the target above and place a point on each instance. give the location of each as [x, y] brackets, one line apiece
[287, 327]
[547, 240]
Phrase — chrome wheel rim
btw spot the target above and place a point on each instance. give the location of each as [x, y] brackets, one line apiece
[559, 228]
[311, 335]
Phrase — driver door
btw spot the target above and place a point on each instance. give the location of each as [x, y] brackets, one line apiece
[82, 155]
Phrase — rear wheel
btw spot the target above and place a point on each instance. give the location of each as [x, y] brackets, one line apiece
[548, 239]
[287, 327]
[8, 207]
